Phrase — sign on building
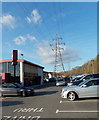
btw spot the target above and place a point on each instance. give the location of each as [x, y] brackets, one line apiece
[14, 57]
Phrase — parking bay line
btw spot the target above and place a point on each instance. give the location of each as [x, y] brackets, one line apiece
[65, 111]
[77, 101]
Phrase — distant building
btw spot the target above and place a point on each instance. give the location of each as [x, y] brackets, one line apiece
[27, 73]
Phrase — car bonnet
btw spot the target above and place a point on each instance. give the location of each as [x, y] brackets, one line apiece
[70, 87]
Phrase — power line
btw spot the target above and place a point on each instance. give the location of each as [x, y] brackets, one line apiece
[39, 31]
[56, 20]
[45, 22]
[61, 18]
[25, 10]
[45, 25]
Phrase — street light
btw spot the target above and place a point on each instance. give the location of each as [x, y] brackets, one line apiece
[92, 66]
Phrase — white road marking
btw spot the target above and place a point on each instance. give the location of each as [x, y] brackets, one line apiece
[79, 101]
[41, 110]
[61, 101]
[21, 117]
[28, 110]
[82, 111]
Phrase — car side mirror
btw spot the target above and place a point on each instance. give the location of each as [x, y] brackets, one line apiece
[84, 86]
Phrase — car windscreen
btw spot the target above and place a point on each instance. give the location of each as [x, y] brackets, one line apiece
[18, 85]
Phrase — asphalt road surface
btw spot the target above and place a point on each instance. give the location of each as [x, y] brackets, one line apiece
[47, 103]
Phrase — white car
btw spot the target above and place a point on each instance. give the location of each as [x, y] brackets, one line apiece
[89, 88]
[60, 82]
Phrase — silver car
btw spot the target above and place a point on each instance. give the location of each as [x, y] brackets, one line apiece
[15, 89]
[86, 89]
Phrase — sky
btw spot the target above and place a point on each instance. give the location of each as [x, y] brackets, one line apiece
[30, 27]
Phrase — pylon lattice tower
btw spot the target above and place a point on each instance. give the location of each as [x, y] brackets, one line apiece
[58, 48]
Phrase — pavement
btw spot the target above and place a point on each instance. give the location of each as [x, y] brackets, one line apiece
[47, 104]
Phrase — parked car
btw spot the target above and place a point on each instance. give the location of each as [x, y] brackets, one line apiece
[86, 89]
[85, 77]
[15, 89]
[77, 82]
[60, 82]
[52, 79]
[77, 78]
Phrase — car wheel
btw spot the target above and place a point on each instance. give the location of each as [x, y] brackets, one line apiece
[72, 96]
[23, 94]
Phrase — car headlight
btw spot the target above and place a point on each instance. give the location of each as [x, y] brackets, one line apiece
[63, 91]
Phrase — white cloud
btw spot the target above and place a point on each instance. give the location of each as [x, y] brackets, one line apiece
[69, 55]
[8, 20]
[48, 56]
[32, 38]
[35, 17]
[20, 40]
[45, 52]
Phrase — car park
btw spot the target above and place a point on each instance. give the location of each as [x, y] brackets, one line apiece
[15, 89]
[83, 78]
[86, 89]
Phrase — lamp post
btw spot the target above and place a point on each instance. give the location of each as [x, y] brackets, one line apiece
[92, 66]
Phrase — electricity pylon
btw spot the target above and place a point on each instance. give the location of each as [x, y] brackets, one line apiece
[58, 48]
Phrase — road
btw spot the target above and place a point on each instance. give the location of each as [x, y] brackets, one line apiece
[47, 103]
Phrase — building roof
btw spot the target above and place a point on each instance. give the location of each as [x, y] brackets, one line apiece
[21, 60]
